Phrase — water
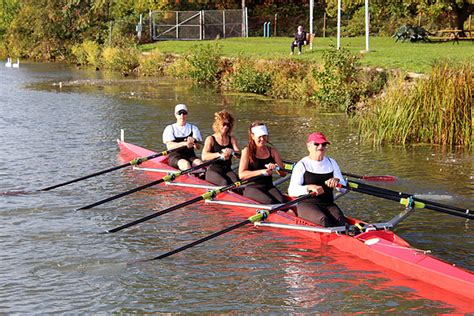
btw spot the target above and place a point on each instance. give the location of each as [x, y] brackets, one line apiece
[53, 260]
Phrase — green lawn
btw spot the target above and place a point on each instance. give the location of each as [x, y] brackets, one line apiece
[384, 52]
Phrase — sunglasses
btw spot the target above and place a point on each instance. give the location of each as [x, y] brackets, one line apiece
[182, 112]
[317, 144]
[226, 124]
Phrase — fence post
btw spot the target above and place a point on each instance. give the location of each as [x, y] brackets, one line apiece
[246, 22]
[139, 28]
[275, 26]
[324, 25]
[152, 29]
[268, 29]
[264, 29]
[223, 23]
[202, 30]
[177, 24]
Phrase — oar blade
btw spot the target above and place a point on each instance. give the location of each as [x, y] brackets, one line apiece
[386, 178]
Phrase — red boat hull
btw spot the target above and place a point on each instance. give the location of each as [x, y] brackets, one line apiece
[381, 247]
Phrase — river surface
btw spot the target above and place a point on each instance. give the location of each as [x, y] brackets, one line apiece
[52, 259]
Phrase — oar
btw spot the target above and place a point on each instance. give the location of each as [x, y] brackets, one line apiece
[375, 189]
[133, 162]
[206, 196]
[262, 214]
[407, 201]
[384, 178]
[168, 178]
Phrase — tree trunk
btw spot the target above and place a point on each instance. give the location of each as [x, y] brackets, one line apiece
[461, 13]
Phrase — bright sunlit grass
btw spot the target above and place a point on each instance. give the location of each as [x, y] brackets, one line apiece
[384, 51]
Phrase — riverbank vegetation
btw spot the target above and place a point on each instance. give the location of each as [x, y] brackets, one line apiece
[436, 110]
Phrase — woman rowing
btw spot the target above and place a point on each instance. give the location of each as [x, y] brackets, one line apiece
[320, 174]
[260, 159]
[182, 134]
[221, 144]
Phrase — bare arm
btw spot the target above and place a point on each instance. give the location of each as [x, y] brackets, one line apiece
[206, 151]
[235, 146]
[278, 161]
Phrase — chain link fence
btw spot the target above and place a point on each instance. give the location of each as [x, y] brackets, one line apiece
[197, 25]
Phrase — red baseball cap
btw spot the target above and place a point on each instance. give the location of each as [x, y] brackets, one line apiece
[317, 137]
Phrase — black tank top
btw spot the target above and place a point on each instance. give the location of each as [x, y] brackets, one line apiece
[257, 164]
[188, 152]
[221, 165]
[319, 178]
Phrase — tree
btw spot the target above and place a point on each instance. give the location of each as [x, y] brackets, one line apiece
[457, 11]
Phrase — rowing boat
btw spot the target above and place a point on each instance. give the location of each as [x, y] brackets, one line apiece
[376, 243]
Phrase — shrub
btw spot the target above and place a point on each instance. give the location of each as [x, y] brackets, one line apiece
[335, 80]
[87, 53]
[151, 64]
[123, 60]
[204, 62]
[247, 79]
[178, 69]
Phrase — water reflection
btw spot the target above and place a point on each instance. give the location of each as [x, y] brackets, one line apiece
[53, 260]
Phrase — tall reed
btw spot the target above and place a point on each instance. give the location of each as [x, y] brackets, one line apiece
[437, 110]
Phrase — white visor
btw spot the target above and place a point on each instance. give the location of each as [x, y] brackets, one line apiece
[259, 130]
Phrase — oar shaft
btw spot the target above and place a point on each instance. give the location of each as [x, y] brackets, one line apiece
[200, 241]
[117, 196]
[406, 195]
[136, 161]
[386, 178]
[398, 199]
[208, 195]
[85, 177]
[231, 228]
[151, 216]
[164, 179]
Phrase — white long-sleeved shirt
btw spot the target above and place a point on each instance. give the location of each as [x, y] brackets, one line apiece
[326, 165]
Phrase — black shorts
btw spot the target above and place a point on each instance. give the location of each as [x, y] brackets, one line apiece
[173, 159]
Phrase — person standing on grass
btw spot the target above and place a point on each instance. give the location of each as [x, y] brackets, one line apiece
[182, 134]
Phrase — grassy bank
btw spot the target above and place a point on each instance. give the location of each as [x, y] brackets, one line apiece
[384, 51]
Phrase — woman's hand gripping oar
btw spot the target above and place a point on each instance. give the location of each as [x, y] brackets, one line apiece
[261, 215]
[206, 196]
[405, 199]
[168, 178]
[133, 162]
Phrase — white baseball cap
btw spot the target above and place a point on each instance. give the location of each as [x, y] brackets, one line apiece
[259, 130]
[180, 107]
